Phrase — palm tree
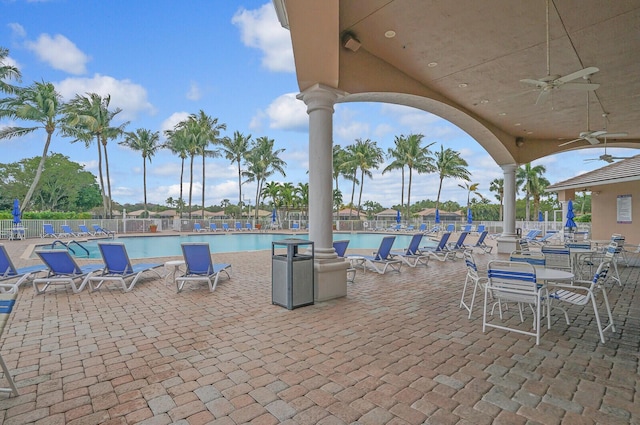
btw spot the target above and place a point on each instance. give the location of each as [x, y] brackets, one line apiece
[262, 162]
[449, 164]
[364, 155]
[39, 103]
[177, 144]
[235, 149]
[302, 192]
[528, 177]
[209, 132]
[8, 72]
[497, 185]
[340, 169]
[146, 142]
[471, 188]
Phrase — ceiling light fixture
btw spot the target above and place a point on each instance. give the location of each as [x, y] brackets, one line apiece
[502, 114]
[484, 101]
[349, 41]
[463, 85]
[432, 64]
[390, 34]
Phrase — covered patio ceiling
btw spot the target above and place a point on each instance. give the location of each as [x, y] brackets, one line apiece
[464, 61]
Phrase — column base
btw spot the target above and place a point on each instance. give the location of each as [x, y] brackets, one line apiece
[507, 243]
[330, 278]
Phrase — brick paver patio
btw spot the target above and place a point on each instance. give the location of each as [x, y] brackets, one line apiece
[396, 350]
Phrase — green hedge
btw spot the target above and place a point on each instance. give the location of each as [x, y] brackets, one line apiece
[47, 215]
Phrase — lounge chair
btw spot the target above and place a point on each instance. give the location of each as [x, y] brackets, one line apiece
[459, 245]
[7, 303]
[213, 227]
[200, 266]
[295, 226]
[410, 228]
[381, 260]
[422, 228]
[97, 230]
[84, 231]
[412, 256]
[480, 228]
[238, 226]
[197, 227]
[225, 227]
[248, 226]
[118, 267]
[48, 232]
[481, 244]
[467, 228]
[451, 228]
[545, 239]
[9, 272]
[66, 231]
[63, 270]
[440, 252]
[474, 276]
[341, 249]
[532, 235]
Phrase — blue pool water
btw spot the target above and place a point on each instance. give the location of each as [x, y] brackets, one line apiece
[169, 246]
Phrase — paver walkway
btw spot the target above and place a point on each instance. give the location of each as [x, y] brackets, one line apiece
[396, 350]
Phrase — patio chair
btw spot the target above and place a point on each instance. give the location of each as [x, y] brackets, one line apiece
[481, 244]
[295, 226]
[341, 249]
[200, 266]
[458, 246]
[412, 256]
[225, 227]
[381, 260]
[557, 257]
[83, 231]
[97, 230]
[422, 228]
[7, 303]
[480, 228]
[467, 228]
[118, 267]
[576, 294]
[49, 232]
[534, 258]
[238, 226]
[197, 227]
[545, 239]
[531, 235]
[63, 270]
[9, 272]
[440, 252]
[512, 282]
[248, 226]
[473, 276]
[451, 228]
[213, 227]
[67, 232]
[410, 228]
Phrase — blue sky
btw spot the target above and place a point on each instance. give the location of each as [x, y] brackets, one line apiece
[161, 61]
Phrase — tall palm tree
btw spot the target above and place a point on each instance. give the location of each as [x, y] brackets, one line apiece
[399, 162]
[262, 162]
[209, 133]
[302, 192]
[417, 157]
[449, 164]
[528, 177]
[177, 144]
[497, 185]
[8, 72]
[471, 189]
[146, 142]
[340, 169]
[235, 149]
[364, 155]
[38, 103]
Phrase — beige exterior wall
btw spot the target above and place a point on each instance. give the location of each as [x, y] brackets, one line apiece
[604, 211]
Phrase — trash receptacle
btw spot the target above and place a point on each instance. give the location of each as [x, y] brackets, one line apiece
[292, 274]
[519, 232]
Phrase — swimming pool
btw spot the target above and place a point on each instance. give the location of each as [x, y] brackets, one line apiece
[169, 246]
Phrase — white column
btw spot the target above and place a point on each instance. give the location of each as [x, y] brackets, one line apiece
[330, 271]
[507, 241]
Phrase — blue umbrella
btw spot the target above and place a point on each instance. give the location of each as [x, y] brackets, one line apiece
[437, 216]
[16, 211]
[469, 216]
[398, 217]
[273, 216]
[540, 216]
[570, 215]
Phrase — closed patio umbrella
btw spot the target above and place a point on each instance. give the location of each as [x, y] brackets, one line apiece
[437, 216]
[273, 216]
[469, 216]
[570, 216]
[540, 216]
[398, 217]
[16, 212]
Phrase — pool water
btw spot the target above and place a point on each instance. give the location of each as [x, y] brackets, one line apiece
[169, 246]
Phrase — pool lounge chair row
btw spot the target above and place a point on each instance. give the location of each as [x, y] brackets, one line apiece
[66, 231]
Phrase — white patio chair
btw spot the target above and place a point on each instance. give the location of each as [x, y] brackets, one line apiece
[473, 276]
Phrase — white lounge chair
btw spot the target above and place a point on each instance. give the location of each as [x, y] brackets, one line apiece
[381, 260]
[63, 270]
[200, 266]
[412, 256]
[9, 272]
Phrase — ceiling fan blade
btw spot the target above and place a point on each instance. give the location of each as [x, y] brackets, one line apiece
[536, 83]
[578, 74]
[610, 135]
[571, 141]
[592, 140]
[579, 86]
[597, 133]
[542, 97]
[591, 159]
[621, 157]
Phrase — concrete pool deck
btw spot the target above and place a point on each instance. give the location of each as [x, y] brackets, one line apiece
[396, 350]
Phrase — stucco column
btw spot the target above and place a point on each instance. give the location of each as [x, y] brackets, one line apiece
[507, 242]
[331, 275]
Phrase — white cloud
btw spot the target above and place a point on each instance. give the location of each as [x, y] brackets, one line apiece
[17, 30]
[288, 113]
[125, 94]
[59, 52]
[194, 92]
[171, 122]
[261, 29]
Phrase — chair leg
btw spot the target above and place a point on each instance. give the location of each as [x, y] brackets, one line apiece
[12, 384]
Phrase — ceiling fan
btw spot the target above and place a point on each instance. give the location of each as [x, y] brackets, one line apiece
[550, 82]
[607, 157]
[593, 137]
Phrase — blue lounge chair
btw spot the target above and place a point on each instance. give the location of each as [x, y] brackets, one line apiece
[545, 239]
[341, 248]
[7, 303]
[381, 260]
[97, 230]
[410, 228]
[84, 231]
[63, 270]
[480, 228]
[467, 228]
[66, 231]
[440, 251]
[481, 244]
[532, 235]
[48, 232]
[422, 228]
[238, 226]
[248, 226]
[213, 227]
[451, 228]
[9, 272]
[200, 266]
[118, 267]
[295, 226]
[197, 227]
[225, 227]
[412, 256]
[458, 246]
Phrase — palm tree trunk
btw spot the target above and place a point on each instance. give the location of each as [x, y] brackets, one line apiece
[144, 184]
[106, 166]
[360, 196]
[181, 200]
[239, 185]
[501, 208]
[439, 191]
[203, 171]
[104, 196]
[36, 179]
[190, 185]
[408, 194]
[353, 192]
